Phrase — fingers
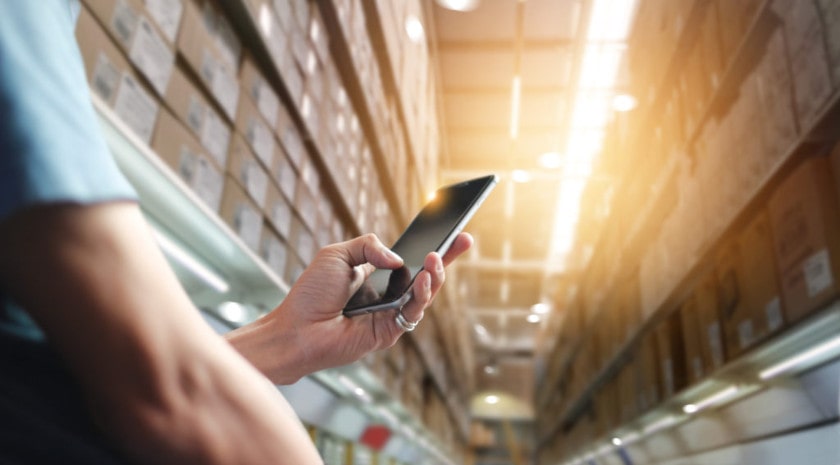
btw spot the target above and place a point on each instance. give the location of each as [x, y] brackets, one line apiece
[369, 249]
[425, 287]
[461, 244]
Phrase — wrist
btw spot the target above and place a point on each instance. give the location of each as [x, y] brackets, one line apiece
[271, 347]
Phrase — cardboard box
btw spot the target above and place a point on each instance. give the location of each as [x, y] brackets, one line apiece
[762, 292]
[256, 88]
[176, 145]
[190, 105]
[251, 126]
[806, 233]
[133, 31]
[113, 80]
[241, 214]
[199, 47]
[247, 170]
[750, 298]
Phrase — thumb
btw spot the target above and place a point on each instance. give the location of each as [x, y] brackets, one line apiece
[369, 249]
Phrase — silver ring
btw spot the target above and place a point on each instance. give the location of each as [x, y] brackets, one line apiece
[406, 325]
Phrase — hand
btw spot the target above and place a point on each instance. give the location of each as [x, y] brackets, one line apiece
[309, 331]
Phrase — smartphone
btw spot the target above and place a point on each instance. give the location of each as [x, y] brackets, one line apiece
[432, 230]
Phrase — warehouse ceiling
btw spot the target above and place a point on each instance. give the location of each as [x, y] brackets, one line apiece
[527, 89]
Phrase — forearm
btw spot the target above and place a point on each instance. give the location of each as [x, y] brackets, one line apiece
[157, 379]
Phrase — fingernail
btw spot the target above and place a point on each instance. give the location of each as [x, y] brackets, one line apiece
[392, 254]
[428, 284]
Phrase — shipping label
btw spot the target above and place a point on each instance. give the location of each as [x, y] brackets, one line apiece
[124, 22]
[818, 275]
[152, 56]
[222, 83]
[281, 216]
[715, 344]
[215, 136]
[255, 181]
[106, 78]
[167, 14]
[261, 139]
[267, 101]
[248, 225]
[746, 334]
[773, 313]
[288, 182]
[136, 107]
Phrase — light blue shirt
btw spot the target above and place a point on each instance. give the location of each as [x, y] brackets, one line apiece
[51, 148]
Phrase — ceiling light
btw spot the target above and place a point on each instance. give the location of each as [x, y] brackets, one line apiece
[233, 312]
[690, 408]
[624, 103]
[824, 351]
[459, 5]
[521, 176]
[551, 160]
[414, 29]
[611, 20]
[178, 254]
[541, 308]
[491, 399]
[715, 399]
[533, 318]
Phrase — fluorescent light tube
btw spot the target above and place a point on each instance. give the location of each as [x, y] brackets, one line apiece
[827, 348]
[715, 399]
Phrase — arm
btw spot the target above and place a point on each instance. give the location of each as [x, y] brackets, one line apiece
[156, 378]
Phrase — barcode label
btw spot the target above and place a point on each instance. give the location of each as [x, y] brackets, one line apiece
[773, 313]
[745, 333]
[817, 270]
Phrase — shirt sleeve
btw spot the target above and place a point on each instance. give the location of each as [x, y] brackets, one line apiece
[51, 147]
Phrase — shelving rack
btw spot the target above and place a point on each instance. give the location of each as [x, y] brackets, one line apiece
[813, 137]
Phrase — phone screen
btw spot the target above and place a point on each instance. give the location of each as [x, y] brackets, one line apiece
[431, 230]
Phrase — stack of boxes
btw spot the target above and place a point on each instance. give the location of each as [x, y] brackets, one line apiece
[749, 248]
